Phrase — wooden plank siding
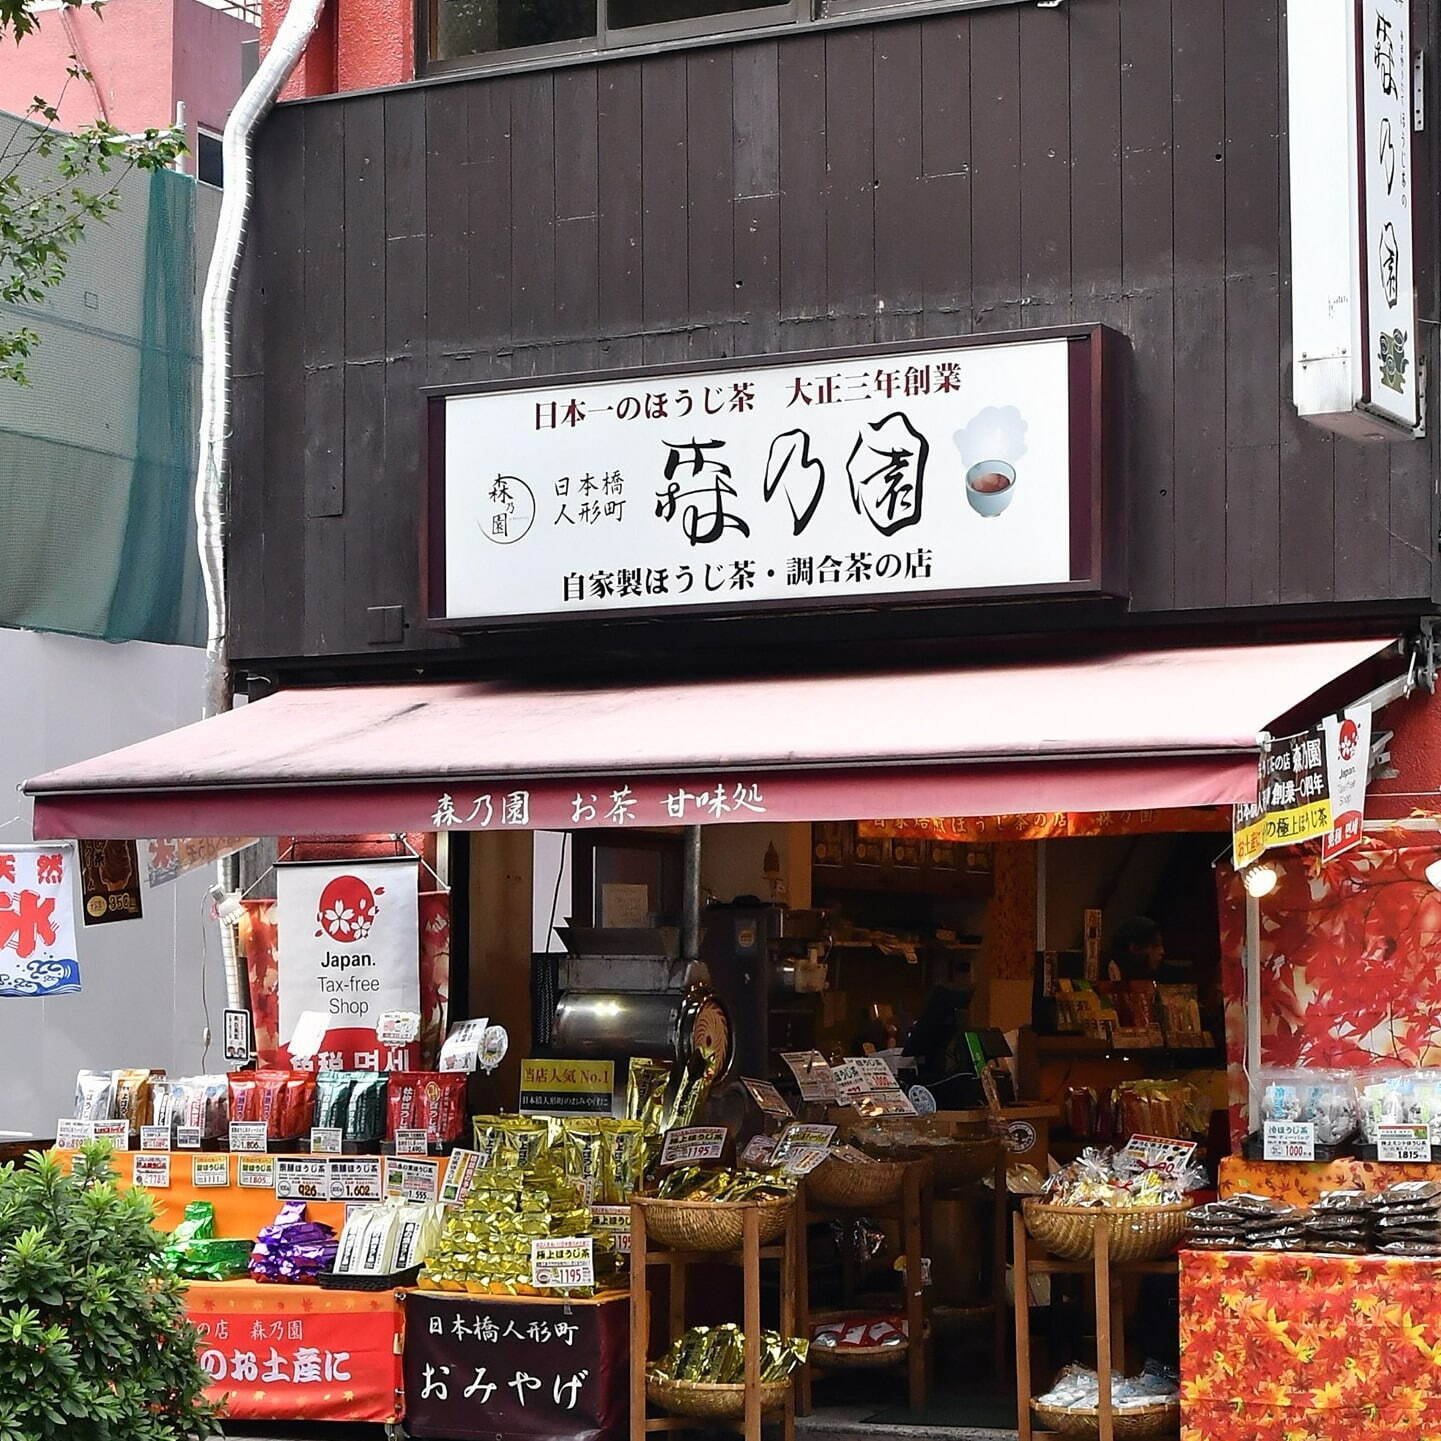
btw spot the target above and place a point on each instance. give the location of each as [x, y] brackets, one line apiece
[1121, 161]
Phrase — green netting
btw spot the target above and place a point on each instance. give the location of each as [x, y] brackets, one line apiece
[96, 455]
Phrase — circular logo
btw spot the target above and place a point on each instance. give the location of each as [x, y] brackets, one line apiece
[506, 510]
[1020, 1137]
[95, 906]
[494, 1043]
[922, 1100]
[347, 909]
[1348, 738]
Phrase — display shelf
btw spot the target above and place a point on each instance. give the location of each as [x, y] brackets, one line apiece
[749, 1259]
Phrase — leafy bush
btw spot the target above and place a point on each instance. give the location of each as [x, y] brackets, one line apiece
[94, 1344]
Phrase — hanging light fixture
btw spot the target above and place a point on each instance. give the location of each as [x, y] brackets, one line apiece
[1260, 879]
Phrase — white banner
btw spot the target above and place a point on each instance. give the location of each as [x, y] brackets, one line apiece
[38, 956]
[851, 478]
[349, 948]
[1348, 765]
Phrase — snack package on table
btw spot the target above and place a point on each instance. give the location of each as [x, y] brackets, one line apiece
[293, 1248]
[1326, 1099]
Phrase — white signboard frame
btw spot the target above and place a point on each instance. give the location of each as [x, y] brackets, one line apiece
[956, 469]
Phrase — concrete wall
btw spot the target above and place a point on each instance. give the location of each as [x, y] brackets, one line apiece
[146, 983]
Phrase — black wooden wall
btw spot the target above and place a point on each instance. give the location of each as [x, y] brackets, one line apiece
[1119, 161]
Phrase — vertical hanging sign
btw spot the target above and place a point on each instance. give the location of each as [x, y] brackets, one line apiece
[37, 920]
[349, 947]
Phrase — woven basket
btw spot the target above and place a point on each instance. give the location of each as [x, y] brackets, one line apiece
[708, 1401]
[1162, 1420]
[852, 1358]
[957, 1163]
[1138, 1233]
[711, 1225]
[852, 1186]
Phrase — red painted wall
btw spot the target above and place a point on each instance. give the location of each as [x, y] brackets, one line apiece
[144, 55]
[359, 45]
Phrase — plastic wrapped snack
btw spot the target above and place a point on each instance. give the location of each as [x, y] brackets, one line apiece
[1326, 1099]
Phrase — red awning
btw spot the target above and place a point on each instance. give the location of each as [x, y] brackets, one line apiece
[1142, 729]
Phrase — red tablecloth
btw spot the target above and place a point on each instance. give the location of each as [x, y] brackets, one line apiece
[298, 1353]
[1300, 1347]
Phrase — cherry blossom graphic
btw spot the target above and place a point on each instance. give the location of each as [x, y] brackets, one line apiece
[347, 909]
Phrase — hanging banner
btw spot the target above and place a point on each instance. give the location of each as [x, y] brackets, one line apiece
[109, 881]
[167, 857]
[1312, 786]
[38, 955]
[348, 949]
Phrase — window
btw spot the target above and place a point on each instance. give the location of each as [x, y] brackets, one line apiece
[209, 158]
[464, 33]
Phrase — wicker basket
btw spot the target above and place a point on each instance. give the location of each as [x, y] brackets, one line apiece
[1138, 1233]
[853, 1185]
[708, 1401]
[711, 1225]
[957, 1163]
[1133, 1422]
[852, 1358]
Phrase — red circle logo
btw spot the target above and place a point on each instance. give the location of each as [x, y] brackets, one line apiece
[347, 910]
[1347, 739]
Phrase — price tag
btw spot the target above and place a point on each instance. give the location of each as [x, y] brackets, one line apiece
[688, 1144]
[255, 1173]
[804, 1133]
[326, 1140]
[302, 1178]
[758, 1151]
[411, 1143]
[151, 1170]
[155, 1138]
[249, 1136]
[1160, 1153]
[851, 1084]
[562, 1261]
[802, 1160]
[209, 1170]
[768, 1098]
[116, 1132]
[1289, 1141]
[812, 1075]
[1403, 1144]
[355, 1178]
[459, 1175]
[187, 1138]
[397, 1028]
[237, 1036]
[71, 1134]
[461, 1051]
[883, 1094]
[613, 1221]
[412, 1180]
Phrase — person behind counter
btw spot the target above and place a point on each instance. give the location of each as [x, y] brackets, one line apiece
[1138, 953]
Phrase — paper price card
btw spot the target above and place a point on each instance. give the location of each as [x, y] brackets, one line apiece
[804, 1133]
[326, 1140]
[302, 1178]
[237, 1036]
[613, 1221]
[812, 1075]
[758, 1151]
[412, 1179]
[397, 1028]
[411, 1142]
[1160, 1153]
[877, 1075]
[148, 1168]
[562, 1261]
[802, 1160]
[686, 1145]
[355, 1178]
[459, 1175]
[187, 1138]
[461, 1050]
[70, 1134]
[255, 1173]
[768, 1098]
[887, 1103]
[116, 1132]
[1404, 1144]
[1289, 1141]
[850, 1082]
[249, 1136]
[156, 1138]
[209, 1171]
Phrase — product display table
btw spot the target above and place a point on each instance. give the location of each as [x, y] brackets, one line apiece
[478, 1367]
[297, 1352]
[1293, 1346]
[1301, 1182]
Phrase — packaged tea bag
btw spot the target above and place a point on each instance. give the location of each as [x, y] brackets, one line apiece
[94, 1096]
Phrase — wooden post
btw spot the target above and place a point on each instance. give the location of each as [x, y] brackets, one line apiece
[998, 1256]
[915, 1292]
[789, 1279]
[751, 1280]
[1103, 1327]
[802, 1288]
[639, 1322]
[1021, 1280]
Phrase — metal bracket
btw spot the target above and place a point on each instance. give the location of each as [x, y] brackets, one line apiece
[1418, 92]
[1425, 654]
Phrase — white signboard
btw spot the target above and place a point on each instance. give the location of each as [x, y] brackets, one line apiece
[1388, 237]
[852, 478]
[37, 920]
[350, 950]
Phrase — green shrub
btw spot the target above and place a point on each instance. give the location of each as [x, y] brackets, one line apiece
[94, 1344]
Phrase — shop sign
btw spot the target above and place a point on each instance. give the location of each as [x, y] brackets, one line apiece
[348, 951]
[562, 1261]
[1404, 1144]
[109, 882]
[770, 1100]
[566, 1088]
[1288, 1141]
[1311, 786]
[1351, 117]
[935, 470]
[38, 956]
[686, 1145]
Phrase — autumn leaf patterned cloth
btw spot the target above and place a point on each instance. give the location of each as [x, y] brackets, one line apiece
[1299, 1347]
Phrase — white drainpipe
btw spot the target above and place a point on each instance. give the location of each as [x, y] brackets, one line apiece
[284, 54]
